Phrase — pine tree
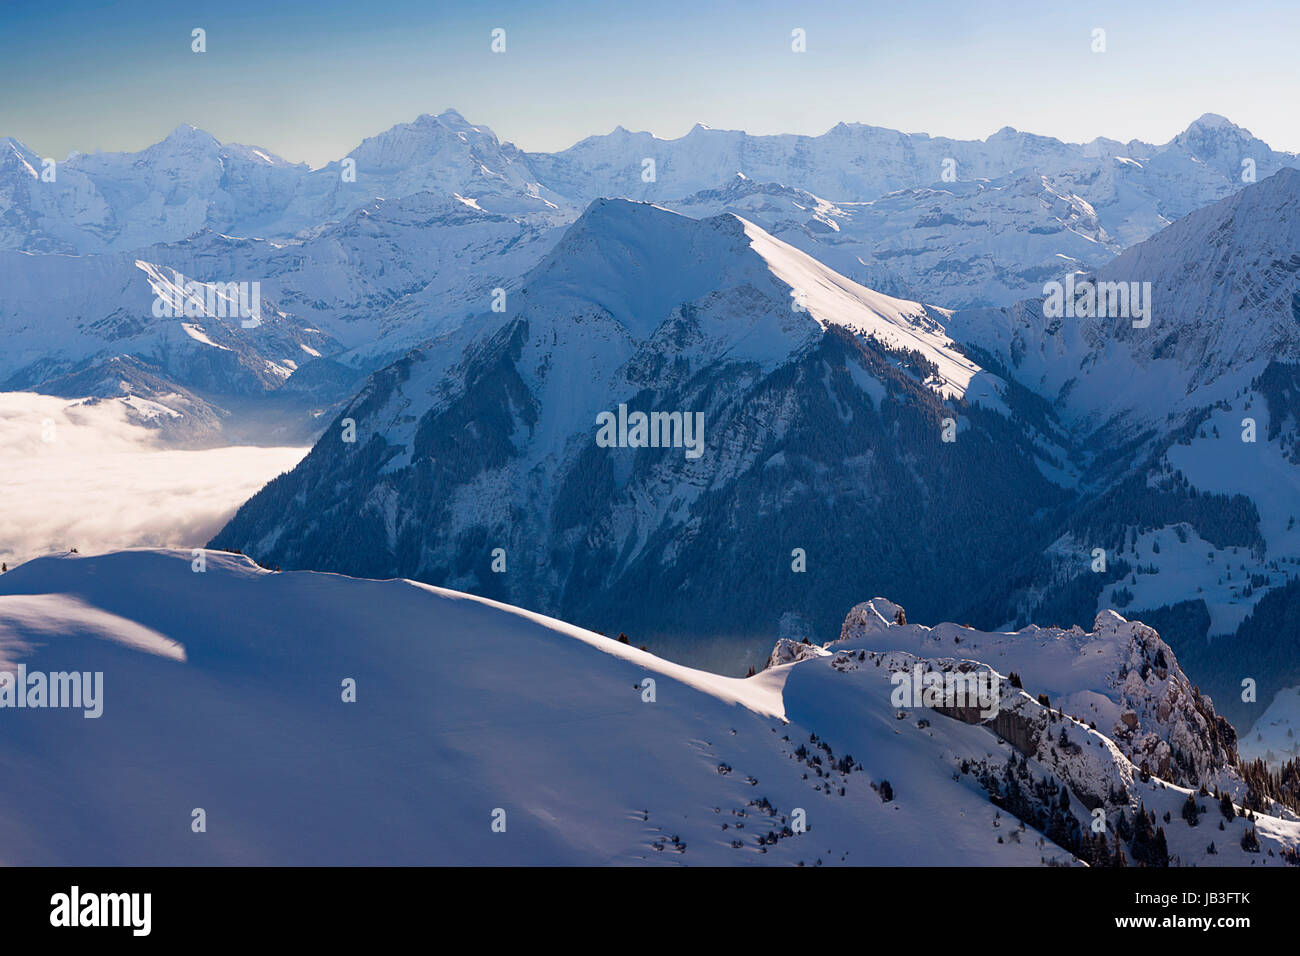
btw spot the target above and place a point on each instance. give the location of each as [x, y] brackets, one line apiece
[1100, 852]
[1250, 841]
[1190, 810]
[1226, 807]
[1122, 827]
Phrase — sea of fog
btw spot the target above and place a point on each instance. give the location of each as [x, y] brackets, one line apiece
[75, 475]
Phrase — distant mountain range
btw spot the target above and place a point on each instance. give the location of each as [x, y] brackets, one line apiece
[189, 182]
[412, 232]
[965, 221]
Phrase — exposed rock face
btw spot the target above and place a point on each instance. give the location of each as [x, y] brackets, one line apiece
[1166, 725]
[871, 617]
[788, 651]
[1120, 678]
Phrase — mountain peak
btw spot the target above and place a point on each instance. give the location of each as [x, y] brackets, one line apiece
[185, 141]
[638, 224]
[1212, 121]
[1209, 131]
[451, 119]
[416, 142]
[187, 133]
[1221, 144]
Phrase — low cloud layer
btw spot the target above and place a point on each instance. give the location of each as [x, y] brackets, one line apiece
[83, 476]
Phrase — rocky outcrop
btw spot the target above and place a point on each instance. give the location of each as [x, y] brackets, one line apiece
[1119, 678]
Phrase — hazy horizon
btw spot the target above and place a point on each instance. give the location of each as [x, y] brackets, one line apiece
[309, 81]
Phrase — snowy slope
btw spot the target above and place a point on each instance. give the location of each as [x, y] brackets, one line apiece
[224, 691]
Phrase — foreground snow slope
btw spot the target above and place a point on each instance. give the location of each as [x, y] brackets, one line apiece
[222, 690]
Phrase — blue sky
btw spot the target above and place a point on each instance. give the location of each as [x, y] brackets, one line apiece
[310, 80]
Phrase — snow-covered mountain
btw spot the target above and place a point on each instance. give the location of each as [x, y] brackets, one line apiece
[410, 234]
[100, 202]
[817, 412]
[304, 718]
[962, 244]
[1119, 676]
[919, 196]
[1186, 429]
[1225, 302]
[1135, 188]
[443, 154]
[390, 275]
[89, 326]
[357, 293]
[189, 182]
